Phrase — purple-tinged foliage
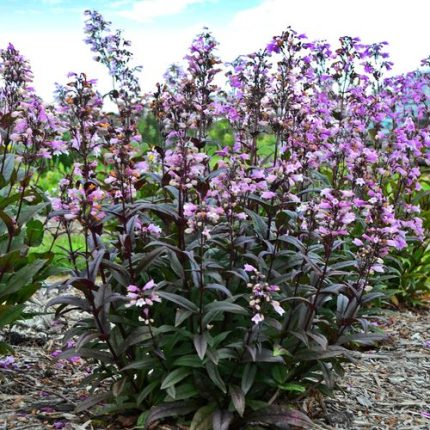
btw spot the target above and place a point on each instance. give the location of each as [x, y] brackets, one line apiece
[218, 274]
[30, 136]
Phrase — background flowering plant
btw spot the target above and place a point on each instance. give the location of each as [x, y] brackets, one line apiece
[220, 278]
[29, 137]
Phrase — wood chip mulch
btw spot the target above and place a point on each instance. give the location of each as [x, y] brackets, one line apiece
[389, 388]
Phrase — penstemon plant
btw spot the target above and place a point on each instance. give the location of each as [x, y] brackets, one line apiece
[29, 137]
[219, 283]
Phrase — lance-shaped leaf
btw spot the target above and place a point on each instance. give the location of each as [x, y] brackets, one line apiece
[174, 377]
[179, 300]
[78, 302]
[170, 409]
[202, 419]
[281, 418]
[222, 419]
[238, 399]
[248, 377]
[201, 344]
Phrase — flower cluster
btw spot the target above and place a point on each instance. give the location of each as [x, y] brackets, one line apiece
[36, 131]
[335, 213]
[8, 362]
[261, 295]
[186, 102]
[185, 164]
[113, 52]
[16, 75]
[201, 217]
[144, 299]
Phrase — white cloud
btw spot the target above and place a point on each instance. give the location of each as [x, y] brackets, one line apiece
[52, 56]
[147, 10]
[404, 24]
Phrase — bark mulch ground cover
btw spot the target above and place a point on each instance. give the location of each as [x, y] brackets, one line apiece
[389, 387]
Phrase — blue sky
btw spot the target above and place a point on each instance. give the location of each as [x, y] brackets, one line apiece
[67, 14]
[49, 32]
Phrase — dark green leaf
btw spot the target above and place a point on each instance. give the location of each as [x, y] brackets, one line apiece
[28, 212]
[291, 387]
[202, 419]
[215, 376]
[22, 278]
[238, 399]
[222, 419]
[34, 233]
[248, 377]
[70, 300]
[9, 164]
[174, 377]
[260, 226]
[147, 391]
[10, 260]
[188, 361]
[9, 222]
[10, 313]
[145, 260]
[219, 287]
[5, 349]
[179, 300]
[92, 401]
[144, 363]
[170, 409]
[224, 306]
[281, 417]
[201, 344]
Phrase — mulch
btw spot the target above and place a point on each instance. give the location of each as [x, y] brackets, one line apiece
[388, 388]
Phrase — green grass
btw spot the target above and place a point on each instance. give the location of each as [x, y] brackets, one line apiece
[49, 181]
[62, 258]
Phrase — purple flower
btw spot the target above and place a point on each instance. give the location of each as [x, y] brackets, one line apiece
[155, 230]
[75, 359]
[149, 285]
[257, 318]
[425, 414]
[56, 353]
[268, 194]
[249, 268]
[273, 46]
[7, 362]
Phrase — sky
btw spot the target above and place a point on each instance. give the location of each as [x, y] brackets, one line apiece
[50, 32]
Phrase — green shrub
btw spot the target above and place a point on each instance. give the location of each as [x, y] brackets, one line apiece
[411, 266]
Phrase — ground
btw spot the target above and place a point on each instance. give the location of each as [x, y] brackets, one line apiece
[388, 388]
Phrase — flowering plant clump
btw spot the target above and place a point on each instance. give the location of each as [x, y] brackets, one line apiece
[29, 137]
[219, 281]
